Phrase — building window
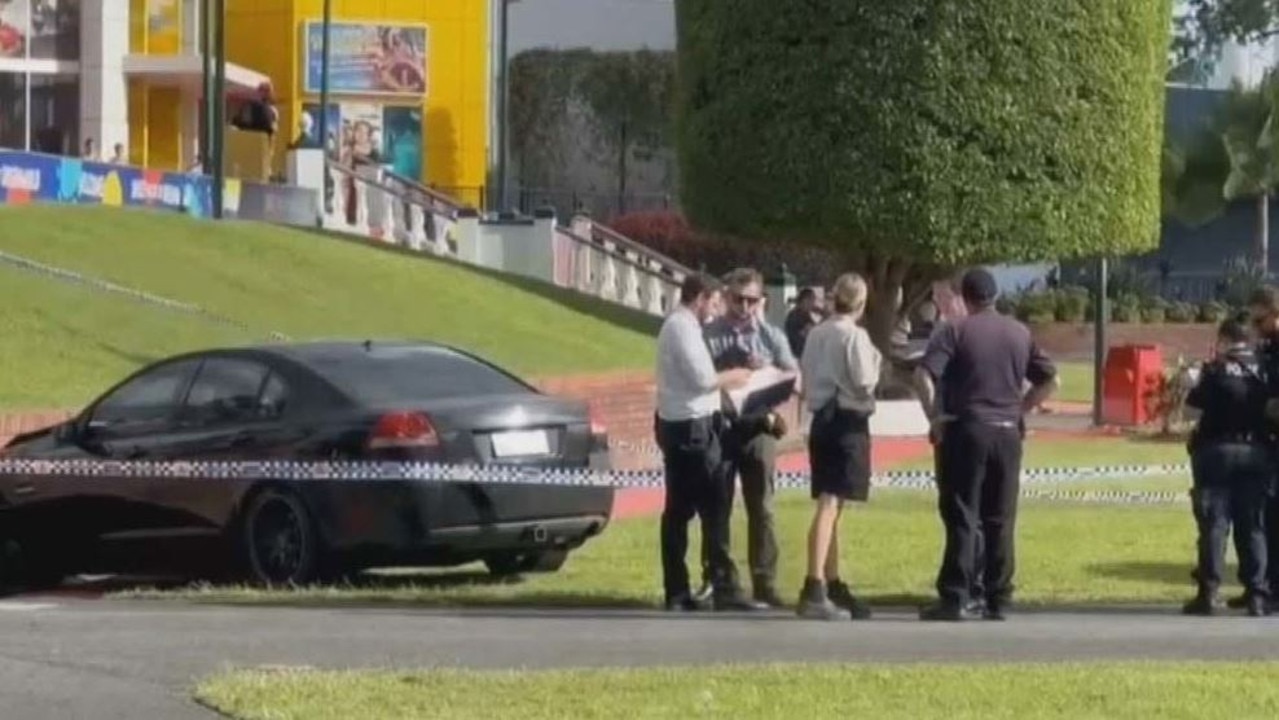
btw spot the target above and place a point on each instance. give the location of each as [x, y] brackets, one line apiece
[55, 29]
[55, 114]
[40, 29]
[13, 111]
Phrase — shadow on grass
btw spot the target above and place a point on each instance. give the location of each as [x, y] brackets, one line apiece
[1158, 572]
[612, 313]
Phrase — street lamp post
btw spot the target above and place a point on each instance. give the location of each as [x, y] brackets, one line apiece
[219, 106]
[325, 28]
[206, 80]
[503, 96]
[1100, 314]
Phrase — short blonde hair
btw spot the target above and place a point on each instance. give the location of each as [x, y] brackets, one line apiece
[849, 294]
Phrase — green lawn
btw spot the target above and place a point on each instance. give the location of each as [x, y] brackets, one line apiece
[1090, 452]
[913, 692]
[1076, 381]
[62, 344]
[1068, 553]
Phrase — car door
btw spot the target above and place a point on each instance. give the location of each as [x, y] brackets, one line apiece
[133, 421]
[235, 410]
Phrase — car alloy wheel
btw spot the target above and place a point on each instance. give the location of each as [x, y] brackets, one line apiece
[280, 540]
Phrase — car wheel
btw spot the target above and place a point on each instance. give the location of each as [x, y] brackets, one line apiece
[544, 561]
[32, 565]
[281, 546]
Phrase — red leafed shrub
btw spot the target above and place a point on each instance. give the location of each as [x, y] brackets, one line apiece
[670, 234]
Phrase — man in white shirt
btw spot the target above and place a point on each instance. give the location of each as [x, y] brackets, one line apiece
[687, 428]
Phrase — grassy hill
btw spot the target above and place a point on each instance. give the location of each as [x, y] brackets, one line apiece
[63, 342]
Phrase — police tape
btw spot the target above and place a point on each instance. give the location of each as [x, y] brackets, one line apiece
[372, 471]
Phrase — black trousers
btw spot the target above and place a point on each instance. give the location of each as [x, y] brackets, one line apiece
[1231, 485]
[692, 459]
[978, 484]
[1272, 537]
[978, 591]
[752, 454]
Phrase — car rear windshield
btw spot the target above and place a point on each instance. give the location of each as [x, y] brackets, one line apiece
[382, 375]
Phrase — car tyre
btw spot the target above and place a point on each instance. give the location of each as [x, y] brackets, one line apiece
[515, 563]
[281, 546]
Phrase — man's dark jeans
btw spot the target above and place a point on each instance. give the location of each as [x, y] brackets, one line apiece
[692, 458]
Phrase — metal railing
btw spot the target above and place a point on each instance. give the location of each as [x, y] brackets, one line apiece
[364, 201]
[590, 258]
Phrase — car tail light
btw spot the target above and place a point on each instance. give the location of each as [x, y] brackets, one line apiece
[403, 430]
[598, 427]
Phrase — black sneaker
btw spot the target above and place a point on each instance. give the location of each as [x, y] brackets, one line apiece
[1205, 605]
[704, 593]
[948, 612]
[683, 603]
[736, 602]
[814, 603]
[767, 595]
[994, 611]
[1257, 606]
[840, 594]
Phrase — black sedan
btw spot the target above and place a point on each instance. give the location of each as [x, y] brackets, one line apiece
[336, 401]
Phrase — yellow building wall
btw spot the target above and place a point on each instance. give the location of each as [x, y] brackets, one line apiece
[267, 36]
[155, 119]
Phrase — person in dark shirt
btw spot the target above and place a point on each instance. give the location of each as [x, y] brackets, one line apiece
[981, 362]
[1263, 306]
[1232, 467]
[801, 319]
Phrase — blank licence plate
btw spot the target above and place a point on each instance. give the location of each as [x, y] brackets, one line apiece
[521, 443]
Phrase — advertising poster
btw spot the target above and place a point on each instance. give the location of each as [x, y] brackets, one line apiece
[361, 137]
[164, 23]
[312, 110]
[15, 28]
[367, 59]
[402, 141]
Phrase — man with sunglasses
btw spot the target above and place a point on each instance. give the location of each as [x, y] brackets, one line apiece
[741, 338]
[1263, 306]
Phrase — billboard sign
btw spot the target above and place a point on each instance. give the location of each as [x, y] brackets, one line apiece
[366, 58]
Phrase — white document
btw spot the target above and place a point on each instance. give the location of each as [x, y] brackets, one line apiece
[761, 380]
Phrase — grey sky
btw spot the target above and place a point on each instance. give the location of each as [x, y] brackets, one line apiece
[599, 24]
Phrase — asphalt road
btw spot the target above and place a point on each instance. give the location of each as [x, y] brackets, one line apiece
[67, 658]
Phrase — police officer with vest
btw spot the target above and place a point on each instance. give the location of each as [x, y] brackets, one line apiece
[1232, 467]
[1263, 305]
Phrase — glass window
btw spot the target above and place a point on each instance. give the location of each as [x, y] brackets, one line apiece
[226, 390]
[55, 29]
[146, 400]
[55, 114]
[403, 374]
[15, 28]
[13, 111]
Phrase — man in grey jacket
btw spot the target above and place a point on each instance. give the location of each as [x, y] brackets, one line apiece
[741, 338]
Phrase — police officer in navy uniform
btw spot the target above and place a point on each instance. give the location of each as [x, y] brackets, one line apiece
[1263, 305]
[1232, 467]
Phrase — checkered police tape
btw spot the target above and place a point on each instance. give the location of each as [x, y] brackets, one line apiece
[487, 474]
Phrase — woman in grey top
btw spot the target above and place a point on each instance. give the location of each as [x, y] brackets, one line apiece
[840, 369]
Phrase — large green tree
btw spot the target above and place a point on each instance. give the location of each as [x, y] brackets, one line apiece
[915, 136]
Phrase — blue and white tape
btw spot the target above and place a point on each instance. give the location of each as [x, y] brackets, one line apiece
[368, 471]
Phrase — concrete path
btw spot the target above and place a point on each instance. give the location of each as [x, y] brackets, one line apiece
[67, 658]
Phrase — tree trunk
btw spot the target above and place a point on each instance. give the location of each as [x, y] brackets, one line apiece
[1263, 234]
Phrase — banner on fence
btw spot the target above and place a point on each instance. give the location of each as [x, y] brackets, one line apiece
[34, 177]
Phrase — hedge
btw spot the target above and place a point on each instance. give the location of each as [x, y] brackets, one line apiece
[952, 132]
